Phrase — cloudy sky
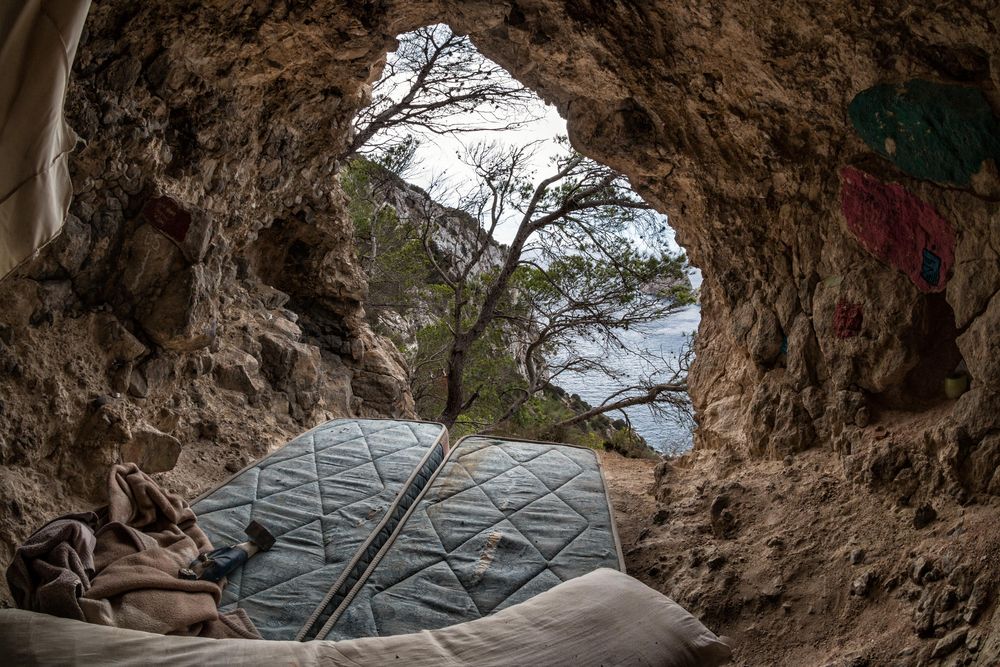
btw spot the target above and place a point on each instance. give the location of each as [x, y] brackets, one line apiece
[439, 158]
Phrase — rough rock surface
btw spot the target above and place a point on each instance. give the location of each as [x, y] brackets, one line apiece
[732, 117]
[798, 565]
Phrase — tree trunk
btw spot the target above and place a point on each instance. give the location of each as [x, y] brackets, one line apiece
[455, 400]
[650, 396]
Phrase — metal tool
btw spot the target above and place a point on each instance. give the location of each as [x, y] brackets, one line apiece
[219, 563]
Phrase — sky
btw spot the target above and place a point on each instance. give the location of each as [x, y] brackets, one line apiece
[439, 157]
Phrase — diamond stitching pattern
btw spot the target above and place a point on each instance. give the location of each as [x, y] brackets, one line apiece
[531, 501]
[297, 487]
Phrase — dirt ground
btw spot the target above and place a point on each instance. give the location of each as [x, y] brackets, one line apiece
[800, 567]
[790, 560]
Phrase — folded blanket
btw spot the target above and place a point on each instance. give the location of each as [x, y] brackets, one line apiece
[54, 567]
[124, 574]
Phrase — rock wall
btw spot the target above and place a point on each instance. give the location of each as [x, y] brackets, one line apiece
[832, 169]
[204, 298]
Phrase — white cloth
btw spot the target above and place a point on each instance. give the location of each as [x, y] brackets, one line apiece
[602, 618]
[38, 40]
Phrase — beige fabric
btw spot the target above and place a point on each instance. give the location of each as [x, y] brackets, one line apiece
[125, 574]
[38, 40]
[603, 618]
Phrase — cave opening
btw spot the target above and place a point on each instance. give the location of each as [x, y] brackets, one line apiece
[441, 124]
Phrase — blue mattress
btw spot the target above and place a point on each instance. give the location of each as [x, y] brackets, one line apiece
[326, 496]
[502, 521]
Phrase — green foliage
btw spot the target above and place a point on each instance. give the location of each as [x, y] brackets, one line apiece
[491, 373]
[392, 259]
[585, 277]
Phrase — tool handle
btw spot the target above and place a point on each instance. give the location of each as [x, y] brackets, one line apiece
[221, 562]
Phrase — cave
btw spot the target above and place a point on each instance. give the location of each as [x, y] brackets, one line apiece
[846, 274]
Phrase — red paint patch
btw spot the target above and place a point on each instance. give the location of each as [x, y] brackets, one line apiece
[847, 319]
[898, 228]
[166, 215]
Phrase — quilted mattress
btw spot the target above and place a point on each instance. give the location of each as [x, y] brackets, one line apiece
[331, 497]
[500, 522]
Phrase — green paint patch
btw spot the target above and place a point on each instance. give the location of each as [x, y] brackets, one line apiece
[932, 131]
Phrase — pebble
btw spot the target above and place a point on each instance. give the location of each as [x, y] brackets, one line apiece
[924, 516]
[949, 643]
[862, 586]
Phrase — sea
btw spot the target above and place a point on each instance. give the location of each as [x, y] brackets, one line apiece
[666, 338]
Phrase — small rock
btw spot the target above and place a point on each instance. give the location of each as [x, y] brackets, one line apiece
[287, 327]
[208, 429]
[947, 600]
[863, 585]
[978, 599]
[949, 643]
[272, 298]
[119, 343]
[661, 471]
[924, 516]
[974, 641]
[923, 623]
[235, 370]
[137, 385]
[233, 467]
[921, 570]
[151, 449]
[857, 556]
[661, 517]
[716, 561]
[722, 519]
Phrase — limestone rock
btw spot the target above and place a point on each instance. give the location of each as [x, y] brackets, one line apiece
[380, 383]
[151, 261]
[291, 367]
[151, 449]
[119, 343]
[183, 317]
[190, 230]
[235, 370]
[980, 347]
[899, 229]
[173, 300]
[781, 424]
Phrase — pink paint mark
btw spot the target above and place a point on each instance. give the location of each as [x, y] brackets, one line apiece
[166, 215]
[847, 319]
[898, 228]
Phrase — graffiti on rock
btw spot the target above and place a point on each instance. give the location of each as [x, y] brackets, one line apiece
[847, 319]
[166, 215]
[898, 228]
[942, 133]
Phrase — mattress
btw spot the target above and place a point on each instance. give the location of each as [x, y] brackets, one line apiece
[501, 521]
[327, 497]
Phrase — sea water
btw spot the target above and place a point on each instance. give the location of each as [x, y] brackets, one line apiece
[666, 338]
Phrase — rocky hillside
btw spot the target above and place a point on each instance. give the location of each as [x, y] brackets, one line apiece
[453, 235]
[832, 167]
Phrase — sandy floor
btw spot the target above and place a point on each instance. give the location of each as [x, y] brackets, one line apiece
[800, 567]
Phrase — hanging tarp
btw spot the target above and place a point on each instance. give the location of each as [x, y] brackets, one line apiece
[38, 40]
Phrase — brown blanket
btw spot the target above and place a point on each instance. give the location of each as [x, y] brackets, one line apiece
[125, 573]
